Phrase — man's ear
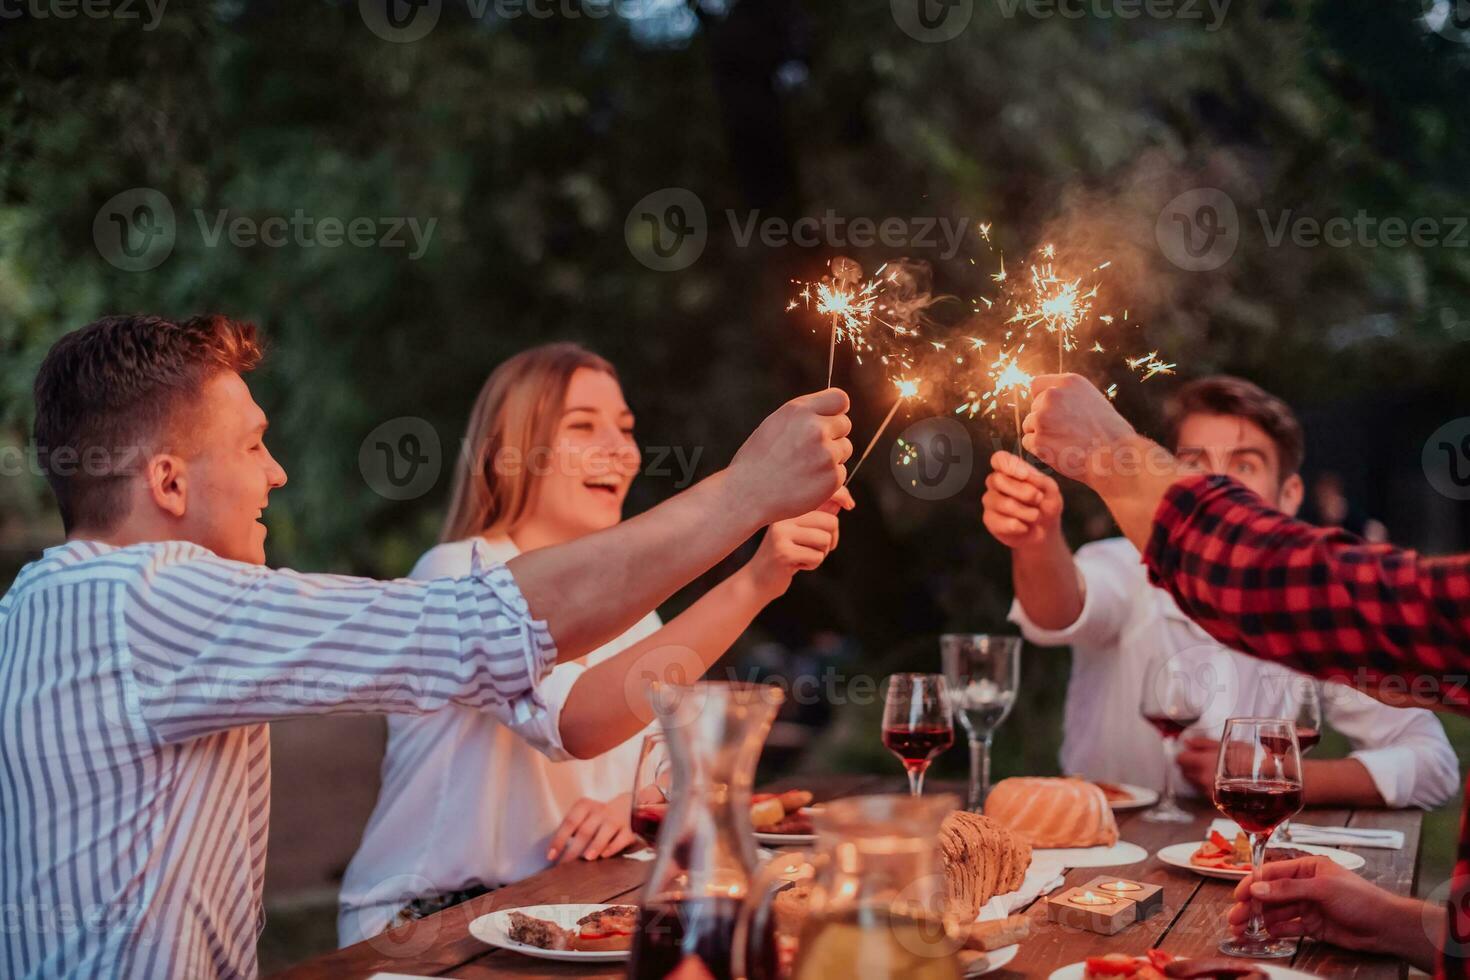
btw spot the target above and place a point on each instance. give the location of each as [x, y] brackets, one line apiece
[1289, 500]
[168, 484]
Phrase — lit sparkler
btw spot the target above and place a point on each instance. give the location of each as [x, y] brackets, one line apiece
[906, 390]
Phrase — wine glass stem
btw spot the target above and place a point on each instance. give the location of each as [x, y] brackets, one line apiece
[1255, 929]
[916, 780]
[985, 768]
[1169, 802]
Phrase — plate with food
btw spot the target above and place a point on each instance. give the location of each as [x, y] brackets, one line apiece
[1124, 796]
[1220, 857]
[1068, 821]
[783, 819]
[1159, 965]
[572, 933]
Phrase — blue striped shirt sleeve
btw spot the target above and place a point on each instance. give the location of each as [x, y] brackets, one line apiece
[214, 644]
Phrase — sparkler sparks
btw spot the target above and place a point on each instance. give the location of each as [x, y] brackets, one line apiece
[907, 388]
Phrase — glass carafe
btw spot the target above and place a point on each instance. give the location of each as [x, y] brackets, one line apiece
[879, 906]
[706, 854]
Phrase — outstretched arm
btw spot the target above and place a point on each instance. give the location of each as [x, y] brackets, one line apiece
[609, 703]
[790, 465]
[1315, 599]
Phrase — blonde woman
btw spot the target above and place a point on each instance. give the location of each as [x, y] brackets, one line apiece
[469, 803]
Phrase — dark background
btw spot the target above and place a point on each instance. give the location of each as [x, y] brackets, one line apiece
[529, 140]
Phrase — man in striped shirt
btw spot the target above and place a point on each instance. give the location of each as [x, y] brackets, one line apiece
[1383, 619]
[140, 661]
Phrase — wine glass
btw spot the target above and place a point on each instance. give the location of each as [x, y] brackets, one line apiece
[652, 783]
[917, 722]
[984, 673]
[1300, 703]
[1176, 688]
[1258, 784]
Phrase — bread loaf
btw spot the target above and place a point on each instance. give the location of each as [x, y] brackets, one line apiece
[981, 860]
[1053, 812]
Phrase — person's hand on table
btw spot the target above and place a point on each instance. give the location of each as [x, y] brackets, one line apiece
[799, 544]
[1317, 897]
[593, 829]
[1198, 760]
[1022, 505]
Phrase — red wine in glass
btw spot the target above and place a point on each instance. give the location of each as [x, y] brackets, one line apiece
[916, 747]
[1258, 805]
[1170, 726]
[646, 819]
[670, 932]
[1308, 738]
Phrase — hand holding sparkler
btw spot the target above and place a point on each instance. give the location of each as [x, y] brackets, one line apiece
[793, 462]
[1072, 426]
[1022, 505]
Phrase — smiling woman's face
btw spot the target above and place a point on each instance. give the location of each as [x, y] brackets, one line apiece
[593, 459]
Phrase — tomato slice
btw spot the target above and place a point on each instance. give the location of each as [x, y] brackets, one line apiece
[1112, 965]
[1218, 839]
[1159, 958]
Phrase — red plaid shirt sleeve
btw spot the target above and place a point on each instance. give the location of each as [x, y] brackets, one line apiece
[1376, 617]
[1322, 601]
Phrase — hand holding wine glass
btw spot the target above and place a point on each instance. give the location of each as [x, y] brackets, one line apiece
[917, 722]
[1258, 784]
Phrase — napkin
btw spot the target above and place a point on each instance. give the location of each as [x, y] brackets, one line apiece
[1042, 878]
[1302, 833]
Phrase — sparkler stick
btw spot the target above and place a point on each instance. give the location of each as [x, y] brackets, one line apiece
[846, 274]
[906, 390]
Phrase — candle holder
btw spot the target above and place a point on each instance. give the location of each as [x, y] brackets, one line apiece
[1105, 905]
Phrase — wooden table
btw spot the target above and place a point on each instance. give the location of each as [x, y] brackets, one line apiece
[1191, 924]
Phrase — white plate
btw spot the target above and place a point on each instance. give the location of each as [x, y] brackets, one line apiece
[495, 930]
[789, 840]
[1079, 970]
[1142, 797]
[1092, 857]
[994, 960]
[1179, 854]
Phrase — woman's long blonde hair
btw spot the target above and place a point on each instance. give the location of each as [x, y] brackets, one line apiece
[514, 418]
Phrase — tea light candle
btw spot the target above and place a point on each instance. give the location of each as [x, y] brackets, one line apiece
[1121, 887]
[1083, 908]
[1090, 899]
[1148, 898]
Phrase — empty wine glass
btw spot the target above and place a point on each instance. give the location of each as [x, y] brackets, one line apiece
[984, 674]
[1177, 686]
[652, 782]
[917, 722]
[1258, 784]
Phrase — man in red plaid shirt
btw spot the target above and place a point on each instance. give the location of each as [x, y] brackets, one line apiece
[1382, 619]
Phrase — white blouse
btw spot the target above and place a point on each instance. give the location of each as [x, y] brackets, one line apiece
[466, 799]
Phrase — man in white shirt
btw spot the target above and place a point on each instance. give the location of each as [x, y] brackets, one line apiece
[1101, 604]
[141, 660]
